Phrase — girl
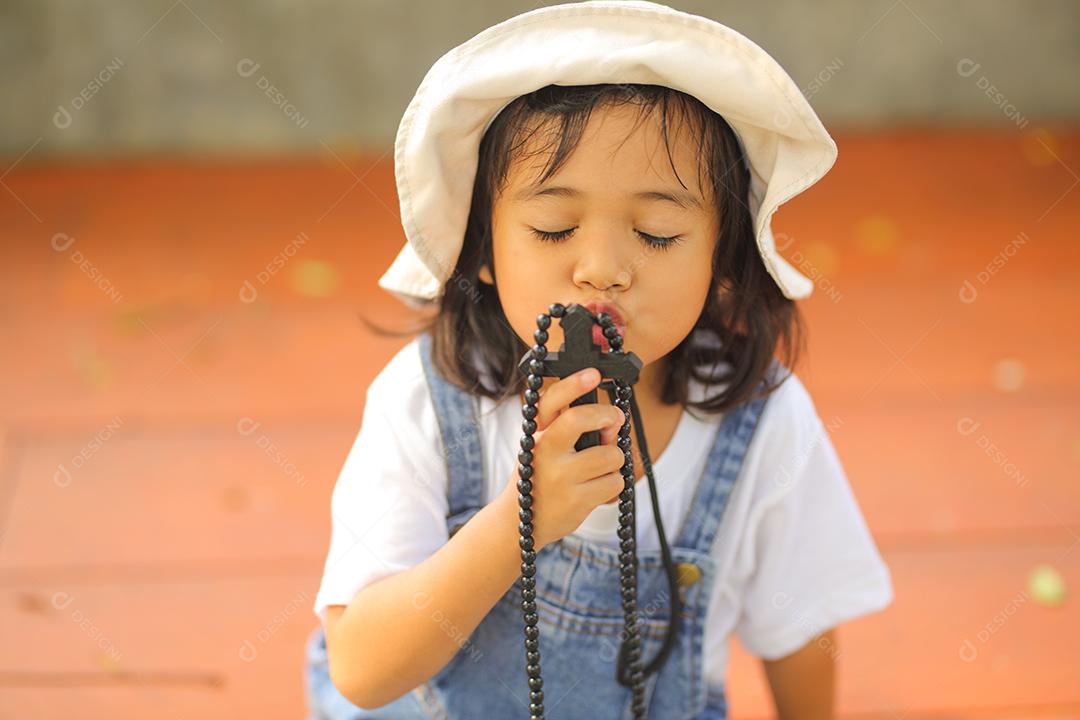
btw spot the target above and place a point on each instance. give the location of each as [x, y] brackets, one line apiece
[626, 157]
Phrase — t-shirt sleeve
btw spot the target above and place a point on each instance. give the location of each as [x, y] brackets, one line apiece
[815, 564]
[389, 504]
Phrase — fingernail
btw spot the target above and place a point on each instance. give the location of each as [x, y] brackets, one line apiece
[589, 376]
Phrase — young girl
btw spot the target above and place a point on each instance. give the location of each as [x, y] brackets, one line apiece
[626, 157]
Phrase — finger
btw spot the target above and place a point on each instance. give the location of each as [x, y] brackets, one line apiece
[564, 432]
[603, 489]
[596, 461]
[610, 434]
[559, 395]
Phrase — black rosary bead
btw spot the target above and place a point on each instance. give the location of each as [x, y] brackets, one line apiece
[628, 562]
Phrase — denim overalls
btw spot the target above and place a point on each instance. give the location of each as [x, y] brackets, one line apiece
[577, 589]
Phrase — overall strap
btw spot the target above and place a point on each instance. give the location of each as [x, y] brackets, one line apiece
[721, 470]
[457, 412]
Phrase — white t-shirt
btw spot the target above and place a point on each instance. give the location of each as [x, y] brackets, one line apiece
[794, 555]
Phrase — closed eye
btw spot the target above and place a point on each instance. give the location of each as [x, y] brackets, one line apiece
[560, 235]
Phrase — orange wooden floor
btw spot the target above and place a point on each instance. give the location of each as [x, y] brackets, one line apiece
[176, 404]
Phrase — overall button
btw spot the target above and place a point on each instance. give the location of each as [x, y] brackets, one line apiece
[687, 573]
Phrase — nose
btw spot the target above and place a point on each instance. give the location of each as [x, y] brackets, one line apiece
[600, 262]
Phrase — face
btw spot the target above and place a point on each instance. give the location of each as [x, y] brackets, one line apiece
[599, 230]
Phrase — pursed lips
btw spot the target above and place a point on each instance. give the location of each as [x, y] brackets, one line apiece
[597, 308]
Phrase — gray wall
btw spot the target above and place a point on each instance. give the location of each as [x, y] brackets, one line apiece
[126, 76]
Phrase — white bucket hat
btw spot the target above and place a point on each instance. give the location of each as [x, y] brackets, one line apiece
[598, 41]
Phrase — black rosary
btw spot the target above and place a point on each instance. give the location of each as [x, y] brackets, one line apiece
[578, 352]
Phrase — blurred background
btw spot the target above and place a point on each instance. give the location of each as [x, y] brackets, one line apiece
[198, 198]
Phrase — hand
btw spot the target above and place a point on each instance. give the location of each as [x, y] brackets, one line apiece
[568, 484]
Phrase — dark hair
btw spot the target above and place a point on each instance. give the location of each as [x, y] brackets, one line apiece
[746, 314]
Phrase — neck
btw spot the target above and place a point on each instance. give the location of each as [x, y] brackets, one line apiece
[649, 387]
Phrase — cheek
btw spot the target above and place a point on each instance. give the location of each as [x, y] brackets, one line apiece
[677, 296]
[525, 289]
[682, 275]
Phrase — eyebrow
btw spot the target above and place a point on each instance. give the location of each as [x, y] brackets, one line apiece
[683, 200]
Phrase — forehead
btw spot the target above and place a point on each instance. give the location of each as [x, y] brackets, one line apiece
[620, 145]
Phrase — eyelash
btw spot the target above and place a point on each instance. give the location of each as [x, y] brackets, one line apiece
[662, 243]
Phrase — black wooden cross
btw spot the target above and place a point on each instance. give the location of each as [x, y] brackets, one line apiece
[578, 352]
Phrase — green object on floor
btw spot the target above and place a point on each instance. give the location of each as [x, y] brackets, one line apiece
[314, 278]
[1046, 586]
